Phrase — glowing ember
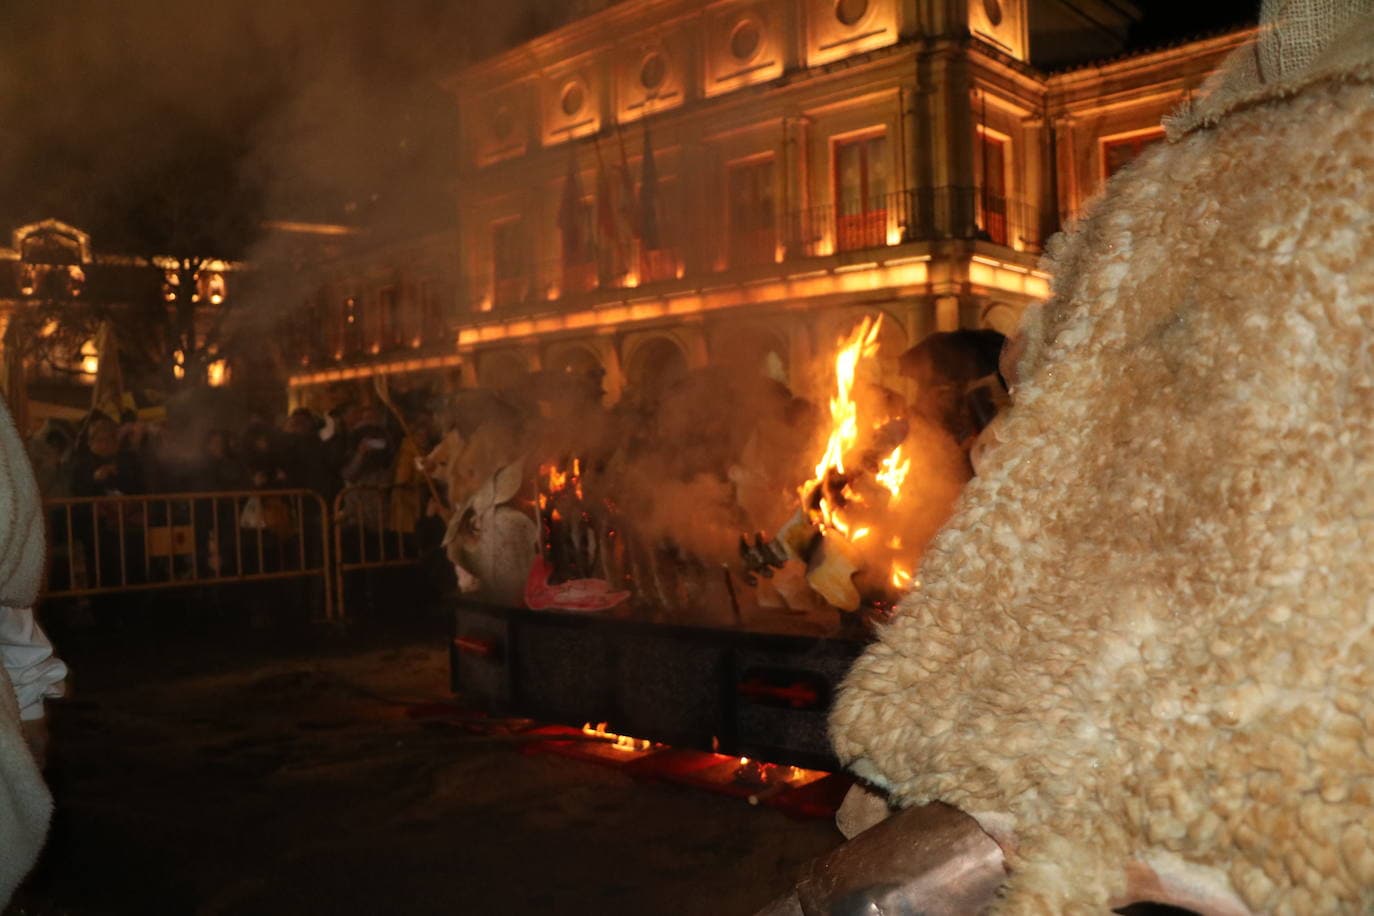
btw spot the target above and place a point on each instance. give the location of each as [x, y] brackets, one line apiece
[619, 742]
[901, 578]
[554, 479]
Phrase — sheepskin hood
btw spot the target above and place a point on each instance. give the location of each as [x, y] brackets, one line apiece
[1148, 631]
[1300, 42]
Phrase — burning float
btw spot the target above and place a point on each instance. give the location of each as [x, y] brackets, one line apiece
[610, 579]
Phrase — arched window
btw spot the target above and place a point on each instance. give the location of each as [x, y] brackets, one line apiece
[655, 365]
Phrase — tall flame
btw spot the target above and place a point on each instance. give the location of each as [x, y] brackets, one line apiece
[844, 430]
[836, 486]
[844, 413]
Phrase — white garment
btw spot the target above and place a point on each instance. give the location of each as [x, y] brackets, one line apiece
[25, 805]
[27, 656]
[21, 521]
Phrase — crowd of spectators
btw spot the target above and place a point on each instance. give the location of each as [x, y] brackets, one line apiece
[228, 523]
[101, 456]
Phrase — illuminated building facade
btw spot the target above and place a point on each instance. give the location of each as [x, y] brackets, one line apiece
[56, 289]
[669, 183]
[371, 307]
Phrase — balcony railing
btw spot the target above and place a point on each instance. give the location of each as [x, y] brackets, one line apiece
[879, 221]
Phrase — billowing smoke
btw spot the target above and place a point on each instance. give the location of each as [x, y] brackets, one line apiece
[249, 109]
[674, 474]
[171, 128]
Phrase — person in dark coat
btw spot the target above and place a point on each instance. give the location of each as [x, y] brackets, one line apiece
[99, 467]
[303, 455]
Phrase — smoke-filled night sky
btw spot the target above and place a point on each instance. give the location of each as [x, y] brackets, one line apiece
[140, 120]
[166, 124]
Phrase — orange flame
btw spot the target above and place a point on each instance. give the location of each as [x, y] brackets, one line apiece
[844, 433]
[893, 473]
[619, 742]
[556, 480]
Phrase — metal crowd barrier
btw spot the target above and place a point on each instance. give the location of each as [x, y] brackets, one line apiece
[111, 544]
[375, 527]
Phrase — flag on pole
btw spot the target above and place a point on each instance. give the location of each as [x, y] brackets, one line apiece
[107, 395]
[570, 217]
[605, 204]
[607, 236]
[629, 219]
[648, 199]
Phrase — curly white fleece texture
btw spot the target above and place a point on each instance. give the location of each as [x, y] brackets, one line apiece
[1149, 627]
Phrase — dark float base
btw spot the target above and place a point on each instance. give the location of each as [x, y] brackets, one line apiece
[743, 693]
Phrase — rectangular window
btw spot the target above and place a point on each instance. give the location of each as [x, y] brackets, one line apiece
[509, 261]
[992, 180]
[861, 193]
[753, 218]
[388, 318]
[661, 262]
[320, 327]
[333, 320]
[433, 322]
[1122, 151]
[353, 326]
[579, 250]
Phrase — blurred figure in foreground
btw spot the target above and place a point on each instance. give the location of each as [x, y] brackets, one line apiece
[31, 673]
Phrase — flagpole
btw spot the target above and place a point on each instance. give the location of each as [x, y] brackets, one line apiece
[626, 190]
[604, 207]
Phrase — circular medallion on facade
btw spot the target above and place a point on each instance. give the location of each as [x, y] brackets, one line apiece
[653, 71]
[993, 9]
[850, 12]
[573, 99]
[745, 40]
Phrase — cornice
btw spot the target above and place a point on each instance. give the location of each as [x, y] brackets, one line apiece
[1129, 68]
[576, 39]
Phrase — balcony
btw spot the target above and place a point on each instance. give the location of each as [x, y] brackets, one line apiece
[902, 217]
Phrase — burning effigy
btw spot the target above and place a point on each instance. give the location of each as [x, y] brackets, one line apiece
[673, 508]
[1142, 655]
[858, 529]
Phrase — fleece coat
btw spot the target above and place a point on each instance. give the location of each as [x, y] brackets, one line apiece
[25, 804]
[1148, 631]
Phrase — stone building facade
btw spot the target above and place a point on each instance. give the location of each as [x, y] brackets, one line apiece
[371, 307]
[668, 184]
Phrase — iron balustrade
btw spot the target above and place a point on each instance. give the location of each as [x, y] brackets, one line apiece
[703, 247]
[108, 544]
[375, 527]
